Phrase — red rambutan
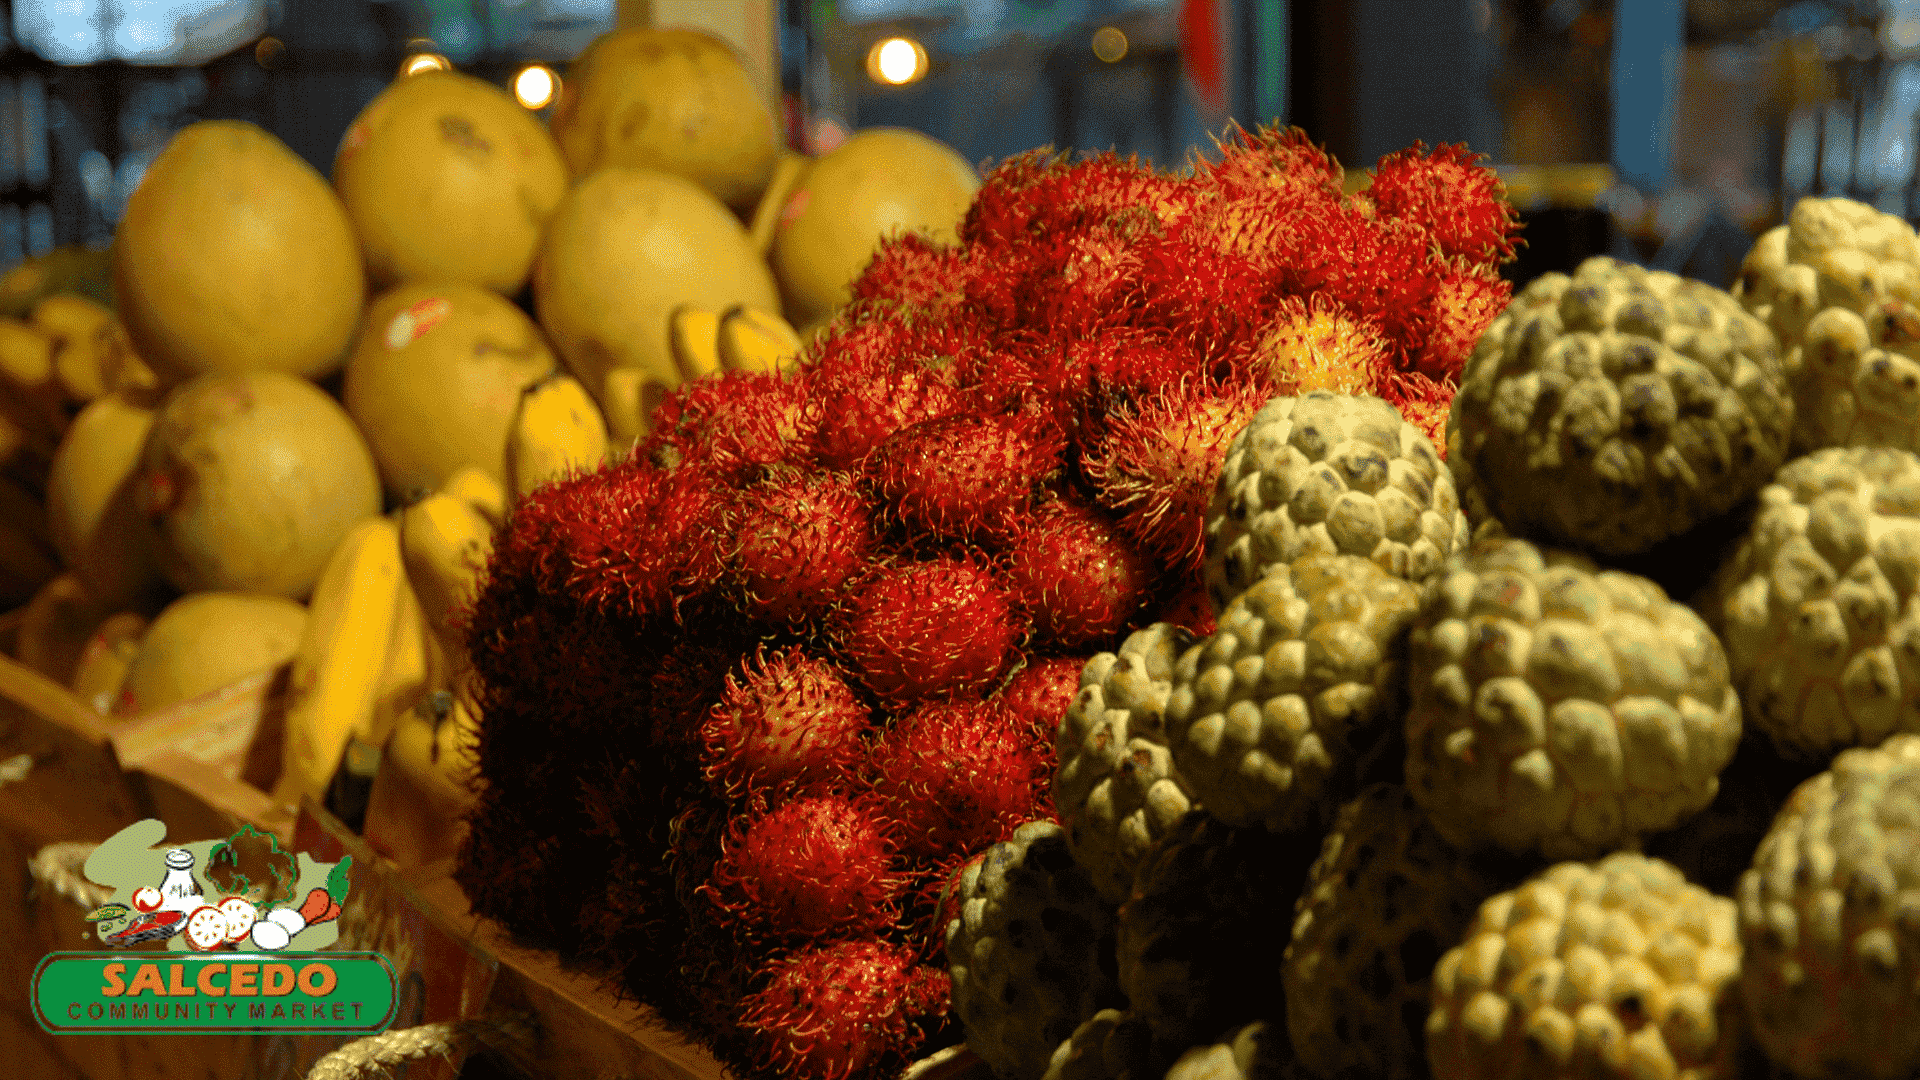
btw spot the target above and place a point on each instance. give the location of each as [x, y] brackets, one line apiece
[1157, 460]
[847, 1011]
[1189, 607]
[1038, 193]
[1077, 575]
[1464, 303]
[807, 869]
[1038, 696]
[865, 390]
[916, 273]
[789, 721]
[1447, 192]
[953, 778]
[1316, 344]
[734, 424]
[1274, 159]
[915, 630]
[1423, 403]
[965, 476]
[796, 540]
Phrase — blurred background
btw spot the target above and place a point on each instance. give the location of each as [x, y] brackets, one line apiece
[1668, 131]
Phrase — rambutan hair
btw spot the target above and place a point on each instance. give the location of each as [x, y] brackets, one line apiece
[965, 476]
[855, 1010]
[787, 723]
[953, 778]
[1465, 301]
[1273, 158]
[1317, 344]
[1078, 576]
[865, 390]
[796, 539]
[1455, 199]
[735, 424]
[817, 867]
[913, 630]
[1157, 460]
[1038, 695]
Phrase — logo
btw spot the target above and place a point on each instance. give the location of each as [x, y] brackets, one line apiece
[249, 922]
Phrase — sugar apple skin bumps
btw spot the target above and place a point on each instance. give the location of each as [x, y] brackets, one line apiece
[1561, 710]
[1839, 285]
[1619, 968]
[1830, 920]
[1620, 406]
[1328, 473]
[1024, 951]
[1274, 717]
[1116, 789]
[1816, 606]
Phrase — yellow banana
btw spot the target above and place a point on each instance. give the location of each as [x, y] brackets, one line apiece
[753, 340]
[31, 397]
[694, 334]
[557, 430]
[335, 682]
[409, 671]
[477, 488]
[58, 623]
[83, 334]
[104, 664]
[424, 791]
[788, 173]
[624, 397]
[445, 545]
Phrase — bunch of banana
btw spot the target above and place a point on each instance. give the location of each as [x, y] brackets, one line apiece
[556, 430]
[704, 343]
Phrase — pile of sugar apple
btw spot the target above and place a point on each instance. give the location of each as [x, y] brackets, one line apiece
[1590, 751]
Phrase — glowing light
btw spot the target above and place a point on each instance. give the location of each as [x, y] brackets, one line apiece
[896, 61]
[1110, 44]
[536, 86]
[268, 51]
[419, 63]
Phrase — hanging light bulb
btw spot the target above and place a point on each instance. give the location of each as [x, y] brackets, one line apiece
[419, 63]
[536, 86]
[896, 61]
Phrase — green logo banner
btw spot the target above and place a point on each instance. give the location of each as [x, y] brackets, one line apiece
[220, 991]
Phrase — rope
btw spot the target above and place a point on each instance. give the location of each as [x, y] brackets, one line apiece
[374, 1055]
[61, 868]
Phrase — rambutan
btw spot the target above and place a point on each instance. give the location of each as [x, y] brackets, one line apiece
[688, 681]
[1033, 195]
[796, 539]
[1315, 344]
[1038, 696]
[1079, 577]
[734, 424]
[1274, 158]
[788, 722]
[915, 630]
[916, 273]
[1189, 607]
[814, 867]
[1157, 460]
[1422, 402]
[865, 391]
[1465, 301]
[953, 778]
[1447, 192]
[847, 1011]
[965, 476]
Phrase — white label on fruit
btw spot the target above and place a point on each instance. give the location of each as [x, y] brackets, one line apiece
[408, 325]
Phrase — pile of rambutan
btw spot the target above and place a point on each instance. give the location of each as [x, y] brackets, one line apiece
[753, 694]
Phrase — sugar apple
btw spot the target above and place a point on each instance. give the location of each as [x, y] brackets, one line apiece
[1274, 718]
[1251, 1053]
[1830, 920]
[1113, 1045]
[1560, 709]
[1816, 605]
[1201, 942]
[1116, 789]
[1615, 969]
[1328, 473]
[1386, 896]
[1025, 951]
[1839, 284]
[1618, 407]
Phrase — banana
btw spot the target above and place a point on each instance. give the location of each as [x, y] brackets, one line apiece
[424, 789]
[694, 335]
[788, 173]
[477, 488]
[60, 620]
[335, 682]
[753, 340]
[410, 669]
[445, 545]
[557, 430]
[104, 664]
[83, 334]
[629, 396]
[32, 398]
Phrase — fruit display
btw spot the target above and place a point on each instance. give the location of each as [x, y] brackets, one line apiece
[1133, 623]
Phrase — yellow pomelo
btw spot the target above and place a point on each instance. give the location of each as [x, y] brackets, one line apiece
[204, 641]
[434, 381]
[447, 178]
[248, 481]
[92, 510]
[235, 255]
[626, 247]
[880, 182]
[679, 101]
